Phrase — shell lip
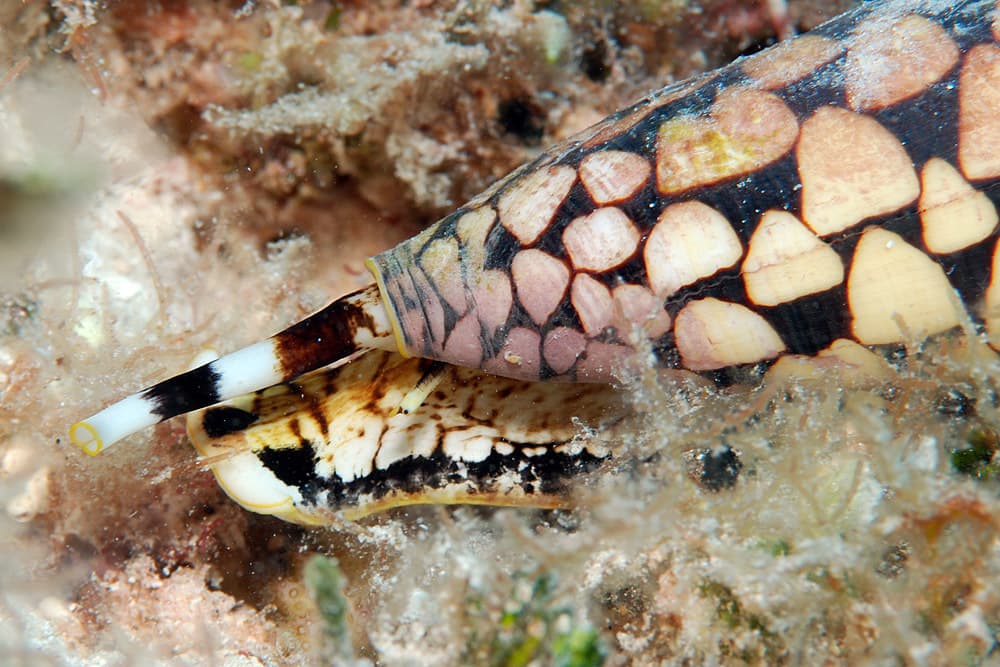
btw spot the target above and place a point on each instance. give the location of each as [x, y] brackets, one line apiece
[397, 330]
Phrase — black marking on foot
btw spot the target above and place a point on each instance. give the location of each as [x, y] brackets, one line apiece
[224, 420]
[295, 466]
[550, 474]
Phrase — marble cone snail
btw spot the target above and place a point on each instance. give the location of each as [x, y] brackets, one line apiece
[831, 195]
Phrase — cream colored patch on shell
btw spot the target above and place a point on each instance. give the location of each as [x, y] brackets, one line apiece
[953, 213]
[690, 241]
[712, 333]
[978, 120]
[851, 168]
[897, 293]
[786, 261]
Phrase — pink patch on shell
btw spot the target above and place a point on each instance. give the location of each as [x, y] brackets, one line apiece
[638, 306]
[601, 240]
[612, 176]
[541, 282]
[432, 309]
[593, 304]
[563, 346]
[602, 361]
[493, 297]
[463, 346]
[519, 357]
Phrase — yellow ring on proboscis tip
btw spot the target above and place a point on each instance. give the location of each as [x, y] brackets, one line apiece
[91, 445]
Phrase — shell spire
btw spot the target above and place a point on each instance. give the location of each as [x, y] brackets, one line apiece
[335, 335]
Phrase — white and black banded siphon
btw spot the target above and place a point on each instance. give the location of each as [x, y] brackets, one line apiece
[831, 195]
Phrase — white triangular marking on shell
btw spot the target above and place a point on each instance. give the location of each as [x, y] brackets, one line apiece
[851, 168]
[978, 120]
[603, 362]
[897, 293]
[711, 333]
[954, 214]
[562, 347]
[439, 260]
[463, 346]
[493, 297]
[593, 304]
[637, 306]
[891, 62]
[991, 304]
[527, 207]
[612, 176]
[786, 261]
[601, 240]
[790, 60]
[745, 130]
[472, 229]
[690, 241]
[540, 280]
